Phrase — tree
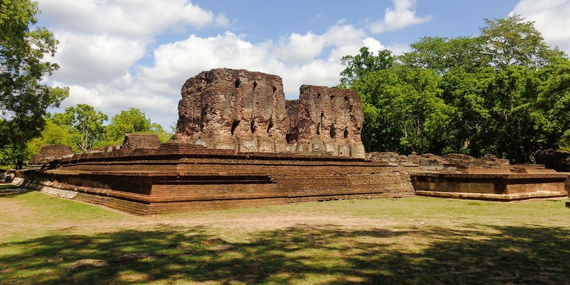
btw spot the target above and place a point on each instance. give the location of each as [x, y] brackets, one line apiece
[23, 99]
[52, 134]
[444, 54]
[84, 124]
[514, 41]
[403, 110]
[504, 92]
[133, 121]
[553, 104]
[357, 66]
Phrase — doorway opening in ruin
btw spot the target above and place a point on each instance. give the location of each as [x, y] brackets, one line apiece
[345, 133]
[253, 127]
[234, 126]
[320, 125]
[238, 83]
[333, 132]
[290, 138]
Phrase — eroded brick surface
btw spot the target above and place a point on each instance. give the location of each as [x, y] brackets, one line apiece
[247, 112]
[138, 141]
[182, 177]
[51, 152]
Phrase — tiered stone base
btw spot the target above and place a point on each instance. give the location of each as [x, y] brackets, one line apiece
[181, 178]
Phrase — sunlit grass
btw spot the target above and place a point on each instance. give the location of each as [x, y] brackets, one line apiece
[392, 241]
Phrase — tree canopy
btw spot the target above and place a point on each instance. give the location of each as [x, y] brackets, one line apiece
[131, 121]
[504, 92]
[23, 98]
[83, 128]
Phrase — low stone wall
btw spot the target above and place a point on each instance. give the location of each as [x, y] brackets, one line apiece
[445, 163]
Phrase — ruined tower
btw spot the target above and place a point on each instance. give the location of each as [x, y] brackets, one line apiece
[247, 111]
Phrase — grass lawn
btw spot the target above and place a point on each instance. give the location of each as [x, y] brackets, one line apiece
[393, 241]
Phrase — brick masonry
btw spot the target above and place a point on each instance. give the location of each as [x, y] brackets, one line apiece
[178, 178]
[246, 111]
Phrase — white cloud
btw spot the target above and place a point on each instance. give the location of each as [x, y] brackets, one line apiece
[221, 20]
[155, 88]
[402, 15]
[130, 18]
[101, 39]
[89, 59]
[298, 59]
[551, 17]
[110, 60]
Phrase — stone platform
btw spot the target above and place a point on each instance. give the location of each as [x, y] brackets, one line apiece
[180, 178]
[490, 186]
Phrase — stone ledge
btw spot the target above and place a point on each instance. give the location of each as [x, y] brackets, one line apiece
[492, 197]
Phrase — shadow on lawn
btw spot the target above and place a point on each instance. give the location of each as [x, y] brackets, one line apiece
[303, 254]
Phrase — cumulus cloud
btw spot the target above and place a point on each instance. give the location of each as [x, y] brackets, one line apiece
[101, 39]
[551, 17]
[128, 18]
[86, 59]
[402, 15]
[298, 58]
[110, 60]
[155, 88]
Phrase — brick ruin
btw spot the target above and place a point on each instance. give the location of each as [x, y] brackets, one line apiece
[239, 143]
[183, 177]
[486, 178]
[247, 112]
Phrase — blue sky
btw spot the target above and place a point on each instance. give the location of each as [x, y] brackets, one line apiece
[116, 54]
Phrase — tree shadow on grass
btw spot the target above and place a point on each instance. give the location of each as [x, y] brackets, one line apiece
[301, 254]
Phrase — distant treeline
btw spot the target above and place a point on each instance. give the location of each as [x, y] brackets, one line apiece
[504, 92]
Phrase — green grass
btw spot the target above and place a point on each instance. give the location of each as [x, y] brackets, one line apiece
[391, 241]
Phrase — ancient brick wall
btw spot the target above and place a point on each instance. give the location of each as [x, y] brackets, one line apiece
[233, 109]
[326, 120]
[247, 112]
[181, 177]
[136, 141]
[51, 152]
[446, 163]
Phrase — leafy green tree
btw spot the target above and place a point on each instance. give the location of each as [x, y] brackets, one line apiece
[514, 41]
[133, 121]
[403, 110]
[511, 97]
[52, 134]
[23, 98]
[444, 54]
[364, 62]
[553, 104]
[85, 125]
